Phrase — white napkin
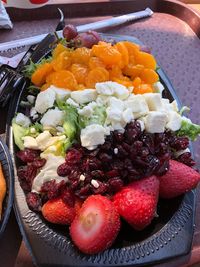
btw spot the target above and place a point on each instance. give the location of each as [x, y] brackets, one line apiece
[5, 22]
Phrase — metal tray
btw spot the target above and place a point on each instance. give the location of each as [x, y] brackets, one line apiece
[7, 166]
[167, 237]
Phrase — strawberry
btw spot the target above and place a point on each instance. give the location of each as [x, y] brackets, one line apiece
[57, 211]
[96, 226]
[137, 202]
[178, 180]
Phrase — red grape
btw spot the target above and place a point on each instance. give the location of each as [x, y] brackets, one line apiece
[87, 39]
[70, 32]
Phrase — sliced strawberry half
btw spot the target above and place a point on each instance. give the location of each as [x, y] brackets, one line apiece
[57, 211]
[96, 226]
[178, 180]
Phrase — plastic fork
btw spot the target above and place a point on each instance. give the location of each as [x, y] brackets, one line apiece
[12, 78]
[9, 82]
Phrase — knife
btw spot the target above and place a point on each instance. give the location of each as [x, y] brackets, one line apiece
[115, 21]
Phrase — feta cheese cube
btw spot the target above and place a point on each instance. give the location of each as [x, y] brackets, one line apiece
[95, 183]
[32, 130]
[102, 99]
[112, 88]
[142, 124]
[53, 117]
[175, 106]
[159, 88]
[118, 126]
[155, 122]
[22, 120]
[84, 96]
[92, 136]
[174, 121]
[31, 99]
[85, 111]
[127, 115]
[45, 100]
[71, 102]
[138, 105]
[114, 102]
[113, 114]
[30, 142]
[60, 92]
[154, 101]
[105, 88]
[121, 91]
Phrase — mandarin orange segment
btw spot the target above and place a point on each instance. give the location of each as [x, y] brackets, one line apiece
[95, 62]
[59, 49]
[44, 86]
[126, 83]
[80, 87]
[124, 53]
[80, 72]
[115, 72]
[149, 76]
[39, 76]
[143, 89]
[146, 59]
[133, 49]
[133, 70]
[107, 53]
[96, 75]
[137, 81]
[62, 61]
[63, 79]
[81, 55]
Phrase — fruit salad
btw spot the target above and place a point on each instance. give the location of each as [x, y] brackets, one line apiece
[97, 141]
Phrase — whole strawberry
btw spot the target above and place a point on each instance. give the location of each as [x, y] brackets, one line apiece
[178, 180]
[96, 226]
[137, 202]
[57, 211]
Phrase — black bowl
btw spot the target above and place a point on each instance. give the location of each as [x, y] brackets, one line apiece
[7, 166]
[169, 235]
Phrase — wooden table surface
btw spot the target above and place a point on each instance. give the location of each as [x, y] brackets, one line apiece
[13, 252]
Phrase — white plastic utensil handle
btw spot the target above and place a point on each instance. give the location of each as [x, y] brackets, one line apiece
[5, 47]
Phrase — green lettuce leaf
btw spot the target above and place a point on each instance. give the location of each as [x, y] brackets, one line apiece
[98, 117]
[18, 133]
[189, 129]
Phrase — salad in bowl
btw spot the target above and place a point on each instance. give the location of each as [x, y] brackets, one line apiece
[98, 143]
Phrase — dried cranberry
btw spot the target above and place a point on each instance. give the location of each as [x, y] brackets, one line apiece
[102, 189]
[179, 143]
[68, 197]
[90, 164]
[28, 155]
[34, 201]
[119, 137]
[38, 163]
[26, 174]
[97, 174]
[84, 191]
[64, 169]
[115, 184]
[112, 173]
[106, 146]
[148, 141]
[105, 157]
[74, 156]
[186, 159]
[52, 189]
